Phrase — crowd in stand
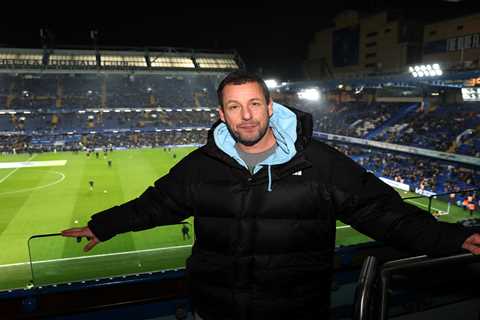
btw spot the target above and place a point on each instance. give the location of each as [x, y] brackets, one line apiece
[451, 128]
[71, 91]
[14, 143]
[52, 110]
[145, 139]
[436, 128]
[418, 172]
[133, 119]
[353, 119]
[61, 142]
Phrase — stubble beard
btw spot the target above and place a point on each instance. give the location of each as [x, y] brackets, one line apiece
[248, 142]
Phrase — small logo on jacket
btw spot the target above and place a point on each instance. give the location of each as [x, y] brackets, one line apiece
[298, 173]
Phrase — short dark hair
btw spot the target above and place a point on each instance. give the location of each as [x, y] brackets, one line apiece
[241, 77]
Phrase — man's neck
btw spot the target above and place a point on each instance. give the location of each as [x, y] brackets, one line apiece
[264, 144]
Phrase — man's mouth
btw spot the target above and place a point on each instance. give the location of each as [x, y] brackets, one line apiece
[248, 126]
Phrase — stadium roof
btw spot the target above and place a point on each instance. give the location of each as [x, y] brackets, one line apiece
[454, 79]
[134, 59]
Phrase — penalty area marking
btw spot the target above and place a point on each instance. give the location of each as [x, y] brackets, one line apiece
[61, 175]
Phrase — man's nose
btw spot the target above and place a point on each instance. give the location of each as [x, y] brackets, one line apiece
[246, 113]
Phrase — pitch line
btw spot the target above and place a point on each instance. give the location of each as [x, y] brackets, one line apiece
[97, 256]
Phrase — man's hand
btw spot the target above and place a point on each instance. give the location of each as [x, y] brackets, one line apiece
[82, 232]
[472, 243]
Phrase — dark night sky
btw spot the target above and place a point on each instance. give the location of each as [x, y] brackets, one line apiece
[272, 37]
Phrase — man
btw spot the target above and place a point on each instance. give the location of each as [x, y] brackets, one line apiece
[265, 198]
[90, 183]
[185, 231]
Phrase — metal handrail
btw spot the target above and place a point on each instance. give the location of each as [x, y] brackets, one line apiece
[363, 292]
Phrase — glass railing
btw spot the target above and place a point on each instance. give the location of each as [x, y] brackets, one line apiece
[55, 259]
[430, 288]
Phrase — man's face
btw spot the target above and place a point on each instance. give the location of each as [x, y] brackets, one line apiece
[245, 112]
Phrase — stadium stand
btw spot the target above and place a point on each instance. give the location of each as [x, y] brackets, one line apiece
[155, 100]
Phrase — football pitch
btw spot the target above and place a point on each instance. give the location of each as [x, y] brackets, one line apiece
[46, 193]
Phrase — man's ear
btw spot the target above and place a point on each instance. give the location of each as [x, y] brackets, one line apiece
[270, 107]
[220, 113]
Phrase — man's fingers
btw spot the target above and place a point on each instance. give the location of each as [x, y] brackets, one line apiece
[474, 239]
[74, 232]
[90, 245]
[475, 249]
[472, 244]
[82, 232]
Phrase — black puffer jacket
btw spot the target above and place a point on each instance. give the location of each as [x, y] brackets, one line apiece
[268, 255]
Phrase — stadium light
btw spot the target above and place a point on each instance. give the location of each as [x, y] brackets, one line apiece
[425, 70]
[309, 94]
[271, 83]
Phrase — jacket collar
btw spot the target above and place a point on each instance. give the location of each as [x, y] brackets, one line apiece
[301, 136]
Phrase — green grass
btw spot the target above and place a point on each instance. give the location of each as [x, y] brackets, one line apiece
[46, 200]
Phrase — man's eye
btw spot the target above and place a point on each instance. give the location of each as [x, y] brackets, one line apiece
[233, 107]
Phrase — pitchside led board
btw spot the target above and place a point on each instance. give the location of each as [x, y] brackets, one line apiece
[345, 47]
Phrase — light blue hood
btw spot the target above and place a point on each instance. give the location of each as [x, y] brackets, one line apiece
[284, 125]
